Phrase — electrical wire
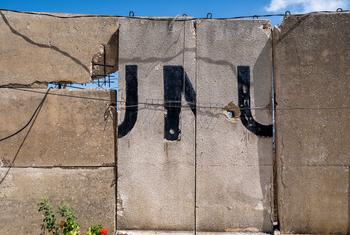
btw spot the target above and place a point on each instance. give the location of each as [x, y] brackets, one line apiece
[175, 104]
[36, 113]
[31, 118]
[184, 18]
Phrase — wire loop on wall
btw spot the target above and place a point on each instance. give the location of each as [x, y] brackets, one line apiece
[186, 18]
[287, 13]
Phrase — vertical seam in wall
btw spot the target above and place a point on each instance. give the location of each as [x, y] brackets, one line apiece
[113, 95]
[195, 129]
[275, 221]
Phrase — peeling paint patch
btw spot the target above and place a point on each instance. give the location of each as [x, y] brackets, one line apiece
[266, 27]
[232, 112]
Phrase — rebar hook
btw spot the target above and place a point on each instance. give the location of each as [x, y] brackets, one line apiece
[339, 9]
[287, 13]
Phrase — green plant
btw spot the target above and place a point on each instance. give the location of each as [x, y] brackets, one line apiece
[69, 224]
[49, 218]
[94, 230]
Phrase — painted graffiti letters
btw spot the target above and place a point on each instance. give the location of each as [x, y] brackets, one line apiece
[243, 79]
[131, 102]
[176, 83]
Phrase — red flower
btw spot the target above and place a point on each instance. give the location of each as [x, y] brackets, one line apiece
[103, 231]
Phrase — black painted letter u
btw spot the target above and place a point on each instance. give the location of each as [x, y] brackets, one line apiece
[243, 75]
[131, 103]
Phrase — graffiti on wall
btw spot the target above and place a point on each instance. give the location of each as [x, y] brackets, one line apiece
[176, 84]
[131, 102]
[243, 79]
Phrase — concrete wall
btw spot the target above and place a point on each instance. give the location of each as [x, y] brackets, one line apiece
[234, 164]
[312, 69]
[41, 48]
[156, 177]
[68, 156]
[88, 191]
[69, 131]
[207, 166]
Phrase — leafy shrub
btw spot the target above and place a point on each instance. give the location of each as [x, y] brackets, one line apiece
[68, 224]
[49, 218]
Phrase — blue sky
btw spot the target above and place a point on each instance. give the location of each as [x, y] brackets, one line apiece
[195, 8]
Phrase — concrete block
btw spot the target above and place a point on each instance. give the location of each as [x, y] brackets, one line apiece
[306, 72]
[68, 131]
[314, 199]
[89, 191]
[303, 91]
[312, 54]
[234, 164]
[155, 175]
[309, 137]
[232, 189]
[42, 48]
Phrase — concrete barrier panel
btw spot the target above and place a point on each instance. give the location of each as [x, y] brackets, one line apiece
[312, 70]
[156, 142]
[314, 199]
[89, 191]
[69, 130]
[234, 144]
[42, 48]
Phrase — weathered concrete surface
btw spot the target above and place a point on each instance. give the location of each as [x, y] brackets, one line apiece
[155, 176]
[234, 166]
[89, 191]
[68, 131]
[314, 199]
[41, 48]
[312, 69]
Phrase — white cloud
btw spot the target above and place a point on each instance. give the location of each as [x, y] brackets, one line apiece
[302, 6]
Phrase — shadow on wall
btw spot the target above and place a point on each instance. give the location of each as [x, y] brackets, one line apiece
[262, 96]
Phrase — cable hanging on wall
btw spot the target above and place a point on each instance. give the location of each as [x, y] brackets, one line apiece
[185, 17]
[31, 118]
[172, 103]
